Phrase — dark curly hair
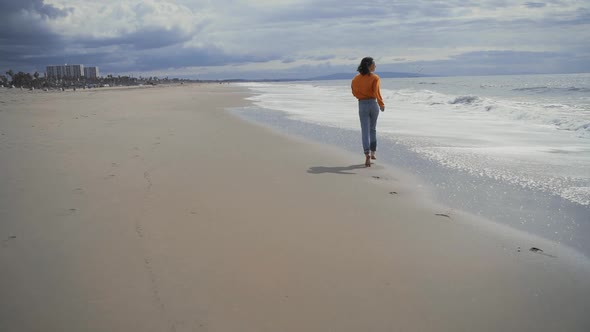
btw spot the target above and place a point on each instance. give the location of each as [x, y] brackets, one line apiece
[363, 68]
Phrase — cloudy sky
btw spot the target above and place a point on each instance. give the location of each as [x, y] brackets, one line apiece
[296, 38]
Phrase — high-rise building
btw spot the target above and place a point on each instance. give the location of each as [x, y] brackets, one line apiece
[91, 72]
[65, 71]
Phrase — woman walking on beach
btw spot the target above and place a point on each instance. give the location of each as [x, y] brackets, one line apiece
[366, 88]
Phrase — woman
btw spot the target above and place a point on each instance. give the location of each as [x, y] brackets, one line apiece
[366, 88]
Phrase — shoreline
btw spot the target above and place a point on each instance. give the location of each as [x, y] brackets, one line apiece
[160, 210]
[539, 213]
[525, 210]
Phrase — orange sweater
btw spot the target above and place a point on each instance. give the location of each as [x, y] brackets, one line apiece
[367, 86]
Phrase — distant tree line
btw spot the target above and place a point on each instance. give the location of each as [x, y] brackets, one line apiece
[35, 81]
[21, 79]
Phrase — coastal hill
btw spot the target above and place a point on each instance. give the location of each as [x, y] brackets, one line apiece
[338, 76]
[346, 76]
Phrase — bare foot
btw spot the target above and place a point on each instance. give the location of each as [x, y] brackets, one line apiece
[367, 161]
[373, 156]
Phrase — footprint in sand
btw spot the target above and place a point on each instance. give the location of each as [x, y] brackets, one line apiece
[148, 179]
[67, 212]
[139, 230]
[4, 243]
[393, 192]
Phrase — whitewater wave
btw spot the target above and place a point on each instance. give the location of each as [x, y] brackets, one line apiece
[465, 100]
[557, 116]
[546, 89]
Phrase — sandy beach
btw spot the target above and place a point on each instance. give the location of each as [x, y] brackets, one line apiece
[156, 209]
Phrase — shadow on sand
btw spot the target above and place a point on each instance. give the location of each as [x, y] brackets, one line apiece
[335, 170]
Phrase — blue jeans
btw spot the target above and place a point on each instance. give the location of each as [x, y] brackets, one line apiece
[368, 113]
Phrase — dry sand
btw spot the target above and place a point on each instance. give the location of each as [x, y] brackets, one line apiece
[155, 210]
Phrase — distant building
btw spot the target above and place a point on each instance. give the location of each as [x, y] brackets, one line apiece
[65, 71]
[91, 72]
[54, 71]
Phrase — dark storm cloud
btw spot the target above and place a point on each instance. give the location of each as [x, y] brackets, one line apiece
[146, 38]
[145, 60]
[347, 9]
[26, 40]
[89, 59]
[24, 32]
[580, 17]
[23, 21]
[10, 7]
[173, 57]
[321, 57]
[535, 4]
[499, 62]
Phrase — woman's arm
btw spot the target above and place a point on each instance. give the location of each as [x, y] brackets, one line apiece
[377, 90]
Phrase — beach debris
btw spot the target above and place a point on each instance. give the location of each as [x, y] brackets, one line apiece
[393, 192]
[442, 215]
[540, 252]
[376, 177]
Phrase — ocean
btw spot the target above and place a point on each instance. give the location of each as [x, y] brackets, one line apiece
[513, 149]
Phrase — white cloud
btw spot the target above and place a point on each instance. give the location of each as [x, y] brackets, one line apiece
[289, 34]
[113, 19]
